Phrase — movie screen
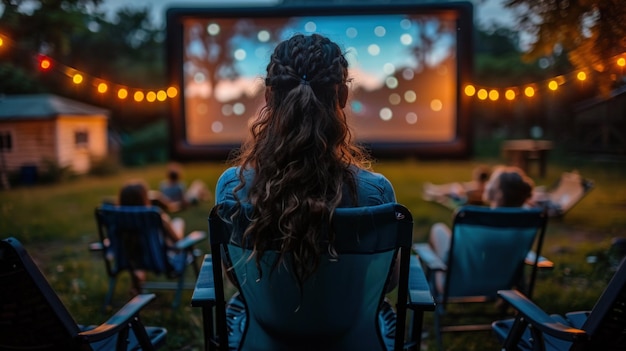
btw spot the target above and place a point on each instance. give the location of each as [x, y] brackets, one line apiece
[403, 66]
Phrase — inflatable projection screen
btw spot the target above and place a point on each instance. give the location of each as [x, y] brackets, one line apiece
[407, 62]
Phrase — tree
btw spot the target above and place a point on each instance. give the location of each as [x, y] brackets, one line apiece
[76, 34]
[48, 28]
[591, 32]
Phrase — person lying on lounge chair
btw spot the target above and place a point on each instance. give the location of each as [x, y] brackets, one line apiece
[460, 193]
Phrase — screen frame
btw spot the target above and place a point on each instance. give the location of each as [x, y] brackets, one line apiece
[459, 147]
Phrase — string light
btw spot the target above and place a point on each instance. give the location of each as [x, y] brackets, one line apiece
[138, 96]
[172, 92]
[103, 88]
[77, 78]
[494, 95]
[162, 95]
[529, 91]
[151, 96]
[44, 63]
[553, 85]
[533, 89]
[122, 94]
[509, 94]
[482, 94]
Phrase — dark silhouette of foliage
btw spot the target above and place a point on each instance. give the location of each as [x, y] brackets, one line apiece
[592, 32]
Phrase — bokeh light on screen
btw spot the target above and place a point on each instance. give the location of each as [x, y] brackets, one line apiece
[411, 118]
[410, 96]
[385, 114]
[395, 99]
[436, 105]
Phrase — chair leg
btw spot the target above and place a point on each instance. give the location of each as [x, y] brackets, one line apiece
[207, 317]
[179, 291]
[109, 295]
[416, 329]
[437, 327]
[196, 266]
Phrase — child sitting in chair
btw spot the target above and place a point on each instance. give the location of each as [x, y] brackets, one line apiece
[175, 191]
[135, 193]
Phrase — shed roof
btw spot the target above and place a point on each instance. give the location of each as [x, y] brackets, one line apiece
[43, 106]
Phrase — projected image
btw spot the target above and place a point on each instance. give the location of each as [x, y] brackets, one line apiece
[403, 71]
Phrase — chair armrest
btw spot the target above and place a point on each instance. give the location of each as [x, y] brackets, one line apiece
[96, 246]
[429, 257]
[120, 320]
[543, 262]
[99, 245]
[419, 290]
[540, 319]
[190, 240]
[204, 292]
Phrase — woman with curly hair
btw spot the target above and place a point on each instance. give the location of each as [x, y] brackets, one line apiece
[300, 162]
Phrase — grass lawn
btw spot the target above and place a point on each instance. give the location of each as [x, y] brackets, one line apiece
[56, 222]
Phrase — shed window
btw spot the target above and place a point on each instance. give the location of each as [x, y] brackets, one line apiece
[6, 141]
[81, 138]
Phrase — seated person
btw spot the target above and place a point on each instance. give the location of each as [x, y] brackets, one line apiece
[296, 177]
[135, 193]
[174, 189]
[507, 187]
[460, 193]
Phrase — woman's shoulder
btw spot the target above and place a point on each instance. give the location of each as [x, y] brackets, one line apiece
[229, 180]
[229, 177]
[366, 175]
[373, 188]
[230, 172]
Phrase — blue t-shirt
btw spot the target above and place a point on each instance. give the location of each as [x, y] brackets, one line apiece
[372, 188]
[173, 191]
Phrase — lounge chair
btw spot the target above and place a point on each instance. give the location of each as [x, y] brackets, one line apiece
[132, 238]
[602, 328]
[488, 251]
[337, 308]
[34, 318]
[568, 190]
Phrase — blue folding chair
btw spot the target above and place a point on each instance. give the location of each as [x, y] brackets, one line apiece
[132, 238]
[602, 328]
[488, 251]
[337, 308]
[32, 317]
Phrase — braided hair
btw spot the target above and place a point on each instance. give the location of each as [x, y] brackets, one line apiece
[302, 154]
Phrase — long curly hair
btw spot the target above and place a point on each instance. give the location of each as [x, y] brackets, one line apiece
[301, 153]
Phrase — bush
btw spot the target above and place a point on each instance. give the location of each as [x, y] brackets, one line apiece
[104, 166]
[53, 172]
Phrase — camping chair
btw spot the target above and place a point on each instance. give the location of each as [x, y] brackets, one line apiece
[337, 308]
[568, 190]
[34, 318]
[132, 238]
[488, 250]
[602, 328]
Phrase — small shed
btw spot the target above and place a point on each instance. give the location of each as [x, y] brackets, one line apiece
[39, 127]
